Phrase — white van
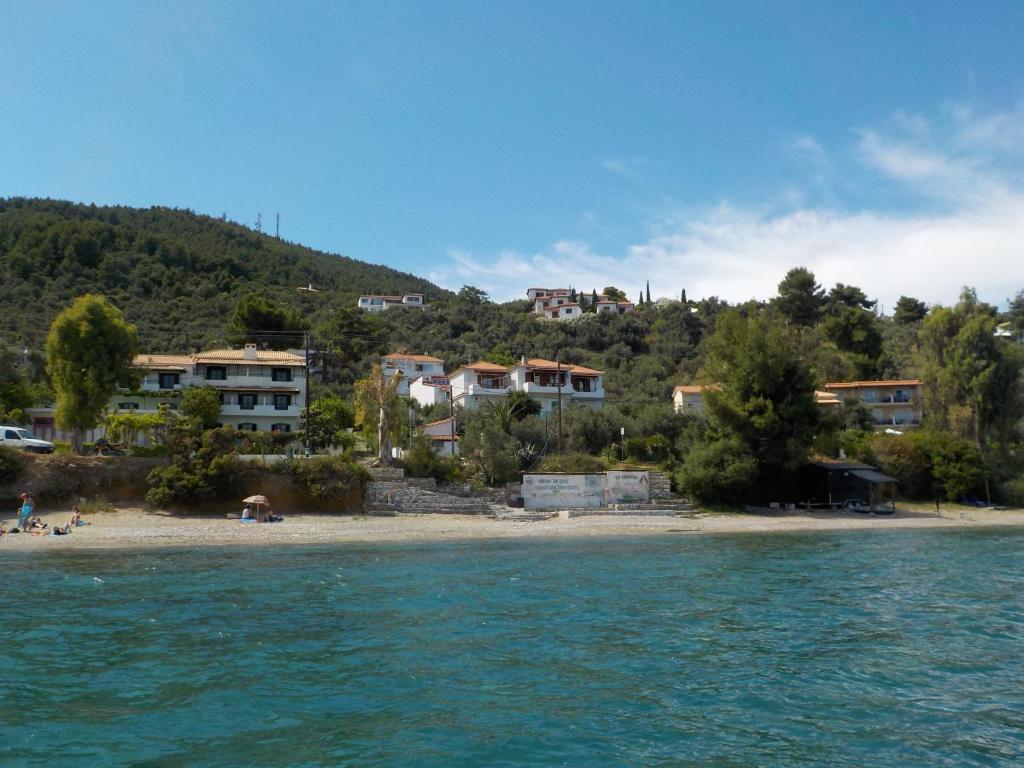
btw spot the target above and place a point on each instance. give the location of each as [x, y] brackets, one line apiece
[19, 437]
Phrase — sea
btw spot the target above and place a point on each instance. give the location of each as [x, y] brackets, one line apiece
[882, 648]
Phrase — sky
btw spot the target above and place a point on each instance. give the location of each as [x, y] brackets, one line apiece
[706, 147]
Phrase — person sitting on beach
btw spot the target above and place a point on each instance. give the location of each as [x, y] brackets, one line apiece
[36, 524]
[76, 518]
[270, 517]
[247, 514]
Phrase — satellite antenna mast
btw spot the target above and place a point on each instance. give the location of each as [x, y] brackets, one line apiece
[259, 221]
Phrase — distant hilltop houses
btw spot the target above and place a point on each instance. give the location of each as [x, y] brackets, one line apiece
[568, 304]
[378, 303]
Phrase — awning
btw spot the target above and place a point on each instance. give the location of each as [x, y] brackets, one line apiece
[871, 476]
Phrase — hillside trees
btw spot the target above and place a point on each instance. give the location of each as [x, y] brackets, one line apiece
[89, 352]
[261, 321]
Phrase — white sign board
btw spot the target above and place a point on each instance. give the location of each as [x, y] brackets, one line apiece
[562, 491]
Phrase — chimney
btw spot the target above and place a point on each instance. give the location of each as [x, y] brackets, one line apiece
[249, 353]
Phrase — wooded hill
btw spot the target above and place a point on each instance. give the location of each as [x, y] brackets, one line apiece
[177, 275]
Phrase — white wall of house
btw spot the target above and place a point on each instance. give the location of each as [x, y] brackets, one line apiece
[412, 368]
[427, 394]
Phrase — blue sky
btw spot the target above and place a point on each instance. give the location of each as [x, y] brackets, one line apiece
[702, 146]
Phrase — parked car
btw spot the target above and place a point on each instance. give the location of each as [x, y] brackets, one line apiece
[19, 437]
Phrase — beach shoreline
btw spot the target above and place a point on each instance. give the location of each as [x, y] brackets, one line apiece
[135, 527]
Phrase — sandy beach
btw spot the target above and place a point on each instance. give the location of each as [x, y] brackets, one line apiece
[132, 527]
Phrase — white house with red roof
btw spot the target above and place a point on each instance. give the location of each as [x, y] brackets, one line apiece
[546, 381]
[566, 304]
[444, 436]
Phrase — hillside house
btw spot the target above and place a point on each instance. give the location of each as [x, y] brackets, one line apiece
[566, 304]
[444, 437]
[260, 390]
[543, 380]
[378, 303]
[689, 398]
[412, 366]
[892, 403]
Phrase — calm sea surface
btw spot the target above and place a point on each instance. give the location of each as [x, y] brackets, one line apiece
[861, 649]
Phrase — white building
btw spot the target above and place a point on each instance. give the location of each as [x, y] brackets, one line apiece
[545, 381]
[613, 307]
[260, 391]
[376, 303]
[430, 390]
[412, 367]
[444, 438]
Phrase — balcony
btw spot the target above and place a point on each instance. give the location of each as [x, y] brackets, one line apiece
[290, 412]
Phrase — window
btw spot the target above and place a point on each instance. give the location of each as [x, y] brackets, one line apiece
[281, 374]
[127, 406]
[169, 380]
[10, 434]
[247, 427]
[581, 384]
[419, 367]
[280, 428]
[216, 373]
[247, 402]
[282, 402]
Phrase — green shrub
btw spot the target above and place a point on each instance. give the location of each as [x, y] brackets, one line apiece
[573, 464]
[12, 465]
[421, 461]
[721, 471]
[324, 477]
[203, 467]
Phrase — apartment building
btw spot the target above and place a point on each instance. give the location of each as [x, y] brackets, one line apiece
[892, 403]
[260, 390]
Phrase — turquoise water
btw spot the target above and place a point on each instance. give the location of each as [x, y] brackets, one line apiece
[861, 649]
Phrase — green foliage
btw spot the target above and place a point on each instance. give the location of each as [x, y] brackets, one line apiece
[572, 463]
[327, 477]
[89, 354]
[800, 298]
[203, 467]
[855, 330]
[971, 380]
[262, 321]
[722, 471]
[491, 451]
[909, 311]
[201, 404]
[128, 426]
[15, 391]
[421, 461]
[765, 397]
[12, 465]
[330, 419]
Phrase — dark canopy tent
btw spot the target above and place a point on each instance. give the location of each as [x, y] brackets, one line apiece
[836, 483]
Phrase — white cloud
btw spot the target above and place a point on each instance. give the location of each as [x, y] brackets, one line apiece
[627, 167]
[736, 253]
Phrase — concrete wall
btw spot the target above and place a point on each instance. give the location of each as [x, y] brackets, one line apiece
[558, 491]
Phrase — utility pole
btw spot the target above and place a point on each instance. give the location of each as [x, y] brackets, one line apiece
[558, 381]
[451, 417]
[308, 425]
[277, 226]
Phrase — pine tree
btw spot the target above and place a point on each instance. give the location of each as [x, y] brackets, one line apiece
[648, 291]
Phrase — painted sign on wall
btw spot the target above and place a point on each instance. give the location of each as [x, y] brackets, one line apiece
[562, 491]
[627, 487]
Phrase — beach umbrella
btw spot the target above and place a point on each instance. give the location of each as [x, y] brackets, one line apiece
[255, 500]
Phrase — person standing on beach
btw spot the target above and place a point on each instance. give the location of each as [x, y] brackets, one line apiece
[27, 508]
